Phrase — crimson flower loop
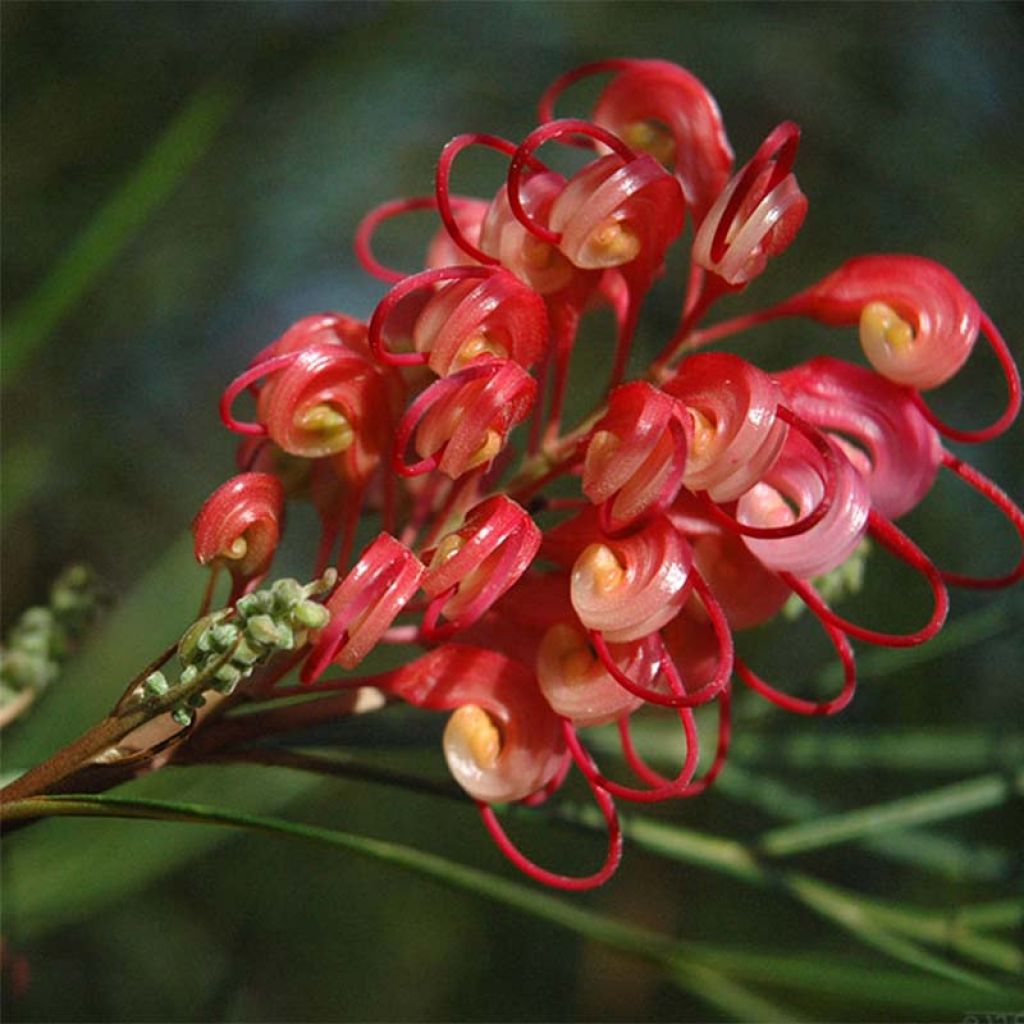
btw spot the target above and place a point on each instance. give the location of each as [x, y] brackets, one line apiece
[803, 477]
[737, 432]
[662, 109]
[477, 313]
[636, 455]
[462, 421]
[757, 215]
[364, 604]
[239, 526]
[630, 587]
[503, 742]
[472, 567]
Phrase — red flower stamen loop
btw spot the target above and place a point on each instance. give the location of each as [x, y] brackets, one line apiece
[364, 605]
[462, 422]
[737, 433]
[662, 109]
[472, 567]
[239, 526]
[630, 587]
[477, 313]
[757, 215]
[636, 455]
[801, 477]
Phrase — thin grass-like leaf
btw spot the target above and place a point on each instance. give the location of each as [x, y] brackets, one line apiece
[961, 798]
[182, 143]
[675, 957]
[945, 855]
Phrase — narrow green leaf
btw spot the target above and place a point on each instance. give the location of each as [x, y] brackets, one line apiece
[998, 914]
[961, 798]
[182, 143]
[679, 958]
[945, 855]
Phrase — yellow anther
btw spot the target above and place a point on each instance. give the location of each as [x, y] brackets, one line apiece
[611, 243]
[653, 137]
[478, 345]
[489, 447]
[605, 570]
[238, 548]
[332, 425]
[703, 434]
[881, 325]
[471, 728]
[566, 647]
[603, 447]
[449, 547]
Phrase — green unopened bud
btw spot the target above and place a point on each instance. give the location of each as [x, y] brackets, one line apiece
[227, 678]
[287, 594]
[221, 638]
[259, 603]
[310, 615]
[227, 674]
[155, 685]
[36, 620]
[34, 643]
[245, 654]
[188, 675]
[188, 645]
[263, 631]
[182, 716]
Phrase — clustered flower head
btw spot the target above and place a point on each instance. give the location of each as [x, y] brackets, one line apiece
[546, 580]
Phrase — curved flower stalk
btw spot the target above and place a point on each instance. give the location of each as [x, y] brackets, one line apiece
[476, 313]
[364, 605]
[659, 108]
[636, 455]
[239, 527]
[875, 422]
[467, 213]
[472, 567]
[462, 422]
[736, 432]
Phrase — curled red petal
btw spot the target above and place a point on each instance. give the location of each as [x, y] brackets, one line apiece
[239, 525]
[737, 433]
[364, 605]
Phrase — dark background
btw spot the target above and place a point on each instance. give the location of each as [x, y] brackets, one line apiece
[302, 116]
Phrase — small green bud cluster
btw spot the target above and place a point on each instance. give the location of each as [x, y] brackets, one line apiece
[222, 649]
[40, 641]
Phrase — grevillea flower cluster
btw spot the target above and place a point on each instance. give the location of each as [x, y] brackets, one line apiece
[546, 579]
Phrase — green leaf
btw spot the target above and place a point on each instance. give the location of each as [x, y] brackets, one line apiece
[967, 797]
[169, 159]
[698, 967]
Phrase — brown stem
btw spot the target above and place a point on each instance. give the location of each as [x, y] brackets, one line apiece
[44, 777]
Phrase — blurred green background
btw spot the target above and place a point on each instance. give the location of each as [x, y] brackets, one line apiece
[181, 182]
